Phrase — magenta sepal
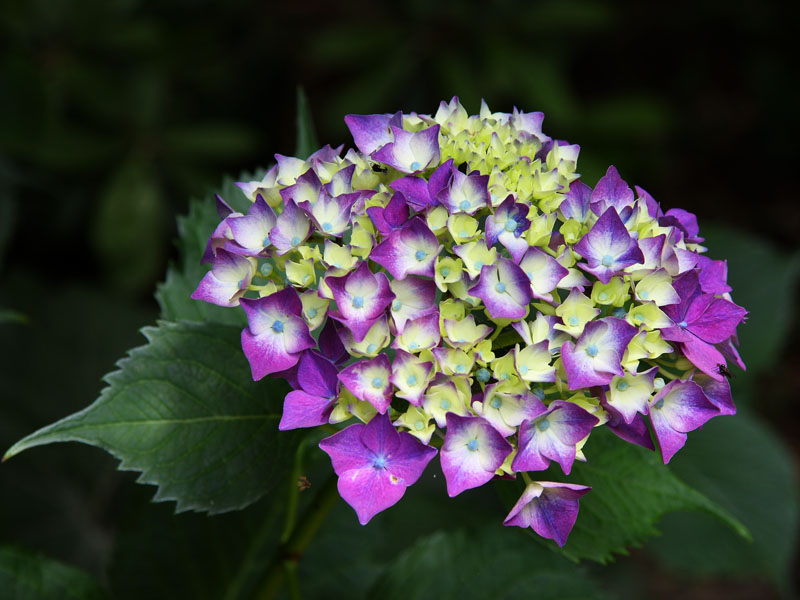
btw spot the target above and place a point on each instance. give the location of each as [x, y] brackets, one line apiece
[505, 290]
[549, 508]
[410, 250]
[611, 191]
[368, 380]
[276, 333]
[227, 281]
[596, 357]
[371, 132]
[313, 403]
[375, 464]
[552, 436]
[473, 450]
[608, 247]
[678, 408]
[361, 299]
[394, 216]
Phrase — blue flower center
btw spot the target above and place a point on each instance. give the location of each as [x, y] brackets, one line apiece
[371, 348]
[619, 312]
[573, 321]
[496, 402]
[529, 274]
[539, 393]
[482, 375]
[358, 302]
[412, 380]
[511, 225]
[460, 368]
[379, 462]
[266, 269]
[295, 241]
[683, 324]
[607, 261]
[602, 296]
[444, 404]
[420, 254]
[415, 166]
[638, 317]
[266, 241]
[326, 226]
[419, 425]
[377, 383]
[464, 205]
[445, 271]
[643, 295]
[622, 385]
[523, 369]
[659, 404]
[413, 346]
[500, 287]
[312, 312]
[543, 425]
[397, 305]
[592, 350]
[277, 326]
[472, 445]
[478, 265]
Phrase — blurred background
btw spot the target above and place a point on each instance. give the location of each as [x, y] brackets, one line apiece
[115, 113]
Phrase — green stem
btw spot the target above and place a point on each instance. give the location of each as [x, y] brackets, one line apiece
[284, 567]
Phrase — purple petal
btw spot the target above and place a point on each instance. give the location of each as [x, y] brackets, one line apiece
[608, 247]
[368, 380]
[415, 191]
[679, 407]
[576, 204]
[411, 152]
[410, 250]
[227, 281]
[596, 357]
[611, 192]
[552, 436]
[361, 299]
[717, 392]
[414, 298]
[473, 450]
[370, 132]
[305, 410]
[504, 289]
[317, 375]
[549, 508]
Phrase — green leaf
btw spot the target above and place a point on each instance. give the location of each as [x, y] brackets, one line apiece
[742, 465]
[631, 491]
[492, 562]
[306, 137]
[184, 411]
[194, 230]
[26, 575]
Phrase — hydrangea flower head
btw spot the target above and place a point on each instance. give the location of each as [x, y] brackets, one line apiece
[451, 286]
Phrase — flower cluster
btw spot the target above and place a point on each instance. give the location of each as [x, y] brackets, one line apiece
[453, 285]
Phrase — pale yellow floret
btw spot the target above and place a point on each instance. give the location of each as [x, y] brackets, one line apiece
[348, 406]
[314, 308]
[648, 316]
[418, 423]
[447, 270]
[613, 293]
[437, 219]
[575, 312]
[301, 274]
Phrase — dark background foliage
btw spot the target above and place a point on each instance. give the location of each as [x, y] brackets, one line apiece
[114, 113]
